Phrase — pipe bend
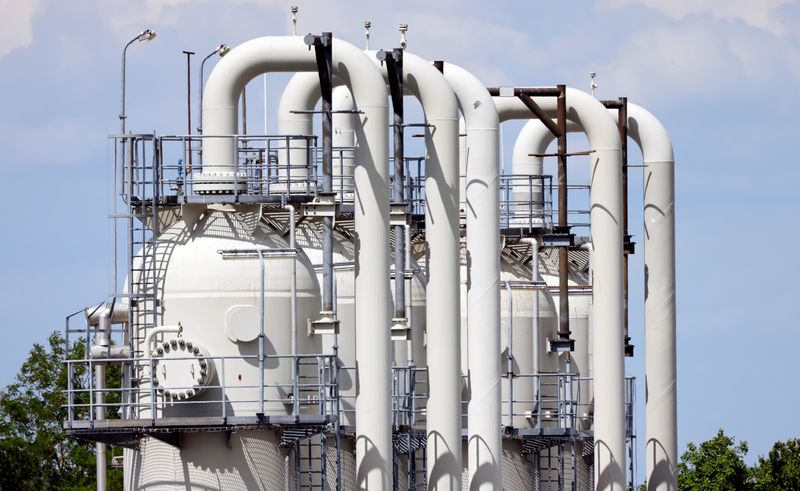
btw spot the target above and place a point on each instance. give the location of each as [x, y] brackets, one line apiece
[148, 339]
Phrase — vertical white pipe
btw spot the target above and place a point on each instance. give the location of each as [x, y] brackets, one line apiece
[344, 138]
[442, 236]
[659, 248]
[100, 448]
[659, 304]
[606, 218]
[293, 300]
[354, 69]
[482, 162]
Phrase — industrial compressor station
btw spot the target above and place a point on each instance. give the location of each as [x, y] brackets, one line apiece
[319, 309]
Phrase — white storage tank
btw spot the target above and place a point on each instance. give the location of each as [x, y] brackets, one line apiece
[215, 298]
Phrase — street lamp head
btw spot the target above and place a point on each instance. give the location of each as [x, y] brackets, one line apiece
[146, 35]
[223, 49]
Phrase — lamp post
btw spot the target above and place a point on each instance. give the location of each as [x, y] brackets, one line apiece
[142, 37]
[100, 374]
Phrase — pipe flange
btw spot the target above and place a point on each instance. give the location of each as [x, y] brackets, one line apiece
[219, 182]
[181, 368]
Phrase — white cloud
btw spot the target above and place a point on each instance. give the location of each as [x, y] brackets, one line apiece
[686, 58]
[758, 13]
[16, 29]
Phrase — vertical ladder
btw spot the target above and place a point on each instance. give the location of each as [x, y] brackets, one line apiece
[311, 463]
[141, 190]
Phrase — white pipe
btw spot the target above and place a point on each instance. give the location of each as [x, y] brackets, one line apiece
[101, 468]
[293, 300]
[353, 68]
[303, 97]
[440, 108]
[659, 246]
[442, 235]
[344, 139]
[482, 162]
[606, 218]
[533, 138]
[659, 305]
[409, 302]
[148, 339]
[535, 276]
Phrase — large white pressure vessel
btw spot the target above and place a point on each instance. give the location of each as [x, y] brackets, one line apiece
[216, 298]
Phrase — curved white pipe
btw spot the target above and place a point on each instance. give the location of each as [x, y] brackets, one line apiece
[353, 68]
[606, 218]
[659, 305]
[443, 265]
[482, 160]
[659, 245]
[148, 339]
[440, 107]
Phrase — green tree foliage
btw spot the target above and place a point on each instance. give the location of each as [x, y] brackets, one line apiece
[780, 470]
[34, 451]
[715, 465]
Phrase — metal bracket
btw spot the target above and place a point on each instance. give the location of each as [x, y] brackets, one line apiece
[401, 331]
[561, 345]
[557, 239]
[398, 215]
[628, 348]
[326, 324]
[324, 205]
[628, 246]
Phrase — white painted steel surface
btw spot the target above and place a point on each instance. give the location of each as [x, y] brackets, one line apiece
[354, 69]
[606, 218]
[442, 235]
[482, 162]
[659, 305]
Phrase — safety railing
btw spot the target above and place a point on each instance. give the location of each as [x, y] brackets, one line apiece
[311, 392]
[409, 393]
[263, 165]
[526, 202]
[564, 401]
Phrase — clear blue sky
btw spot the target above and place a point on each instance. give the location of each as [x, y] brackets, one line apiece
[722, 76]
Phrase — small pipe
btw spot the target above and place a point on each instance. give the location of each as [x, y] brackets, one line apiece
[622, 122]
[100, 448]
[534, 243]
[563, 285]
[394, 68]
[261, 336]
[244, 110]
[409, 303]
[293, 300]
[189, 107]
[148, 339]
[510, 357]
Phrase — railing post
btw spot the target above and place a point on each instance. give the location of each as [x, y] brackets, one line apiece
[222, 390]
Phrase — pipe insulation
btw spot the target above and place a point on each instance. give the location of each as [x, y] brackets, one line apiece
[482, 159]
[659, 305]
[353, 68]
[442, 243]
[606, 218]
[659, 249]
[441, 110]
